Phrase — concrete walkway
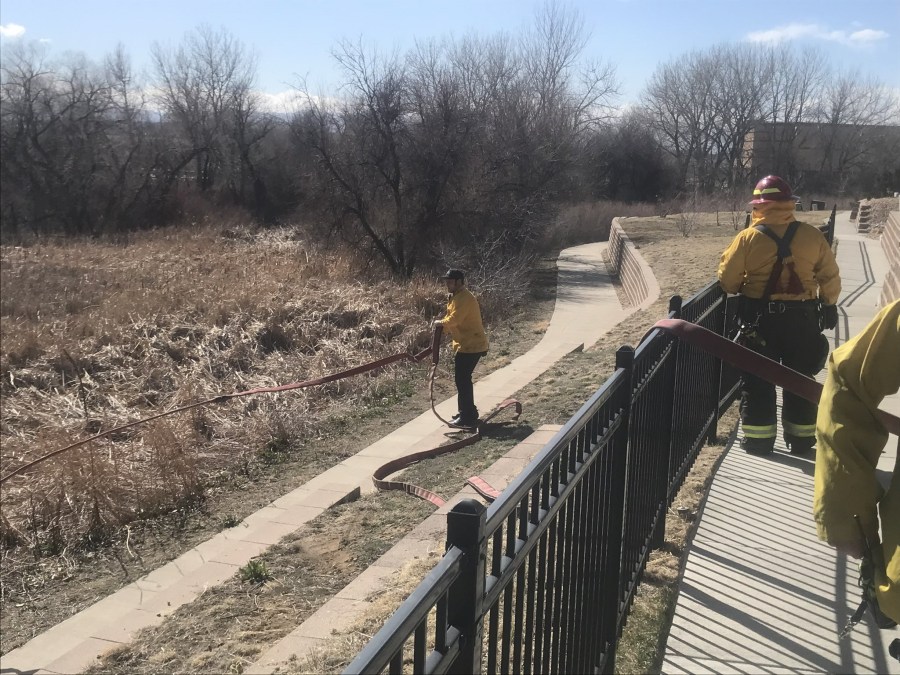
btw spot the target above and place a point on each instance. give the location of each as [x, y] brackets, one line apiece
[586, 307]
[760, 593]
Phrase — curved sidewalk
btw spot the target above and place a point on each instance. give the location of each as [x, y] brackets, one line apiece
[587, 306]
[760, 593]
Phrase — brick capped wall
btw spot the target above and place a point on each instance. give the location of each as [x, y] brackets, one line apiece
[632, 270]
[890, 244]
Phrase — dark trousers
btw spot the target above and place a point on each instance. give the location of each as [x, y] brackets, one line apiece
[463, 367]
[792, 337]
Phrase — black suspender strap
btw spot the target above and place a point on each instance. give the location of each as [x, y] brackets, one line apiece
[784, 251]
[783, 243]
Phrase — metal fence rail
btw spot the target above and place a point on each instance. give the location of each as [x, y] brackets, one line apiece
[543, 580]
[552, 549]
[428, 600]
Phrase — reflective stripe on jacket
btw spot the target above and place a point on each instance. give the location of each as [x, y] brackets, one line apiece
[850, 440]
[747, 263]
[463, 321]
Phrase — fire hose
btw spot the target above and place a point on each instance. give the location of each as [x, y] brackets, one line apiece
[382, 472]
[763, 367]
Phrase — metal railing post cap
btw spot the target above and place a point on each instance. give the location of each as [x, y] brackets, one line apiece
[624, 356]
[468, 507]
[675, 303]
[465, 524]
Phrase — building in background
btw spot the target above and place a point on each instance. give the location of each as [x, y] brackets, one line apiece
[837, 159]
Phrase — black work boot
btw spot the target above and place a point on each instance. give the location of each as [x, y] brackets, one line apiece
[758, 446]
[799, 445]
[467, 420]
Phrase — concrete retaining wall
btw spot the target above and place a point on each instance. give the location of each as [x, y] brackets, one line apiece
[634, 273]
[890, 244]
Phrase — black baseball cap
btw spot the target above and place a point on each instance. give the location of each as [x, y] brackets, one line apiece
[455, 274]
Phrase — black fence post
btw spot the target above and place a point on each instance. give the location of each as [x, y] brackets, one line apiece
[720, 327]
[666, 466]
[465, 530]
[830, 235]
[675, 307]
[614, 582]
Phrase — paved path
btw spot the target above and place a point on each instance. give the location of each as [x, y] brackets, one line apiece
[587, 307]
[760, 593]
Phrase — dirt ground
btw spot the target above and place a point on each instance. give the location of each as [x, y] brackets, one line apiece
[226, 628]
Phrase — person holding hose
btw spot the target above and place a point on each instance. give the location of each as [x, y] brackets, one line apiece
[470, 343]
[850, 438]
[784, 271]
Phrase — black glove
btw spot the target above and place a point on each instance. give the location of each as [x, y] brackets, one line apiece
[829, 316]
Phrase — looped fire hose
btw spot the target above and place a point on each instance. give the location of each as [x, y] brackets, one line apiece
[481, 486]
[379, 476]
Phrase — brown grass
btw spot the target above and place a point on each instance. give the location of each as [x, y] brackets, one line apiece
[78, 528]
[97, 335]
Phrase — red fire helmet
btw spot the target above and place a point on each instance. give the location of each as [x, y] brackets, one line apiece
[772, 189]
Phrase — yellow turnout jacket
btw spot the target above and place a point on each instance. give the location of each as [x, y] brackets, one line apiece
[850, 440]
[463, 321]
[747, 263]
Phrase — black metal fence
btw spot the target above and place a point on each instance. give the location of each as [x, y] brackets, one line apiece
[543, 580]
[828, 228]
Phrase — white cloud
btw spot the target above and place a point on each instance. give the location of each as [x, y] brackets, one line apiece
[291, 100]
[11, 30]
[45, 41]
[814, 31]
[791, 31]
[867, 35]
[281, 102]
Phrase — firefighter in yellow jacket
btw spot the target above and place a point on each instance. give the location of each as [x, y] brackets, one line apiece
[463, 321]
[850, 440]
[785, 271]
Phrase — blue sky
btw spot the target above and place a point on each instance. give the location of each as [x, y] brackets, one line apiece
[294, 37]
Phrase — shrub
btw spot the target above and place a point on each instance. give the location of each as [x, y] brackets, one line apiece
[255, 572]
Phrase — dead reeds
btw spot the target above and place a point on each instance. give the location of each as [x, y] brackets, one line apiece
[95, 335]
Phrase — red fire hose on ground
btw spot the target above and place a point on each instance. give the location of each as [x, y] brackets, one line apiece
[382, 472]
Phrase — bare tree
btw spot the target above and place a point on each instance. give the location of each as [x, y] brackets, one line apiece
[794, 90]
[626, 163]
[852, 103]
[563, 99]
[77, 152]
[678, 101]
[737, 98]
[458, 141]
[206, 90]
[359, 144]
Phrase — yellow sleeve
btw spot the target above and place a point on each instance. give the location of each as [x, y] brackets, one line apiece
[733, 265]
[451, 318]
[458, 310]
[850, 438]
[828, 275]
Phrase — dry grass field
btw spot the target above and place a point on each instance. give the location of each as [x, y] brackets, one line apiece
[95, 335]
[99, 335]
